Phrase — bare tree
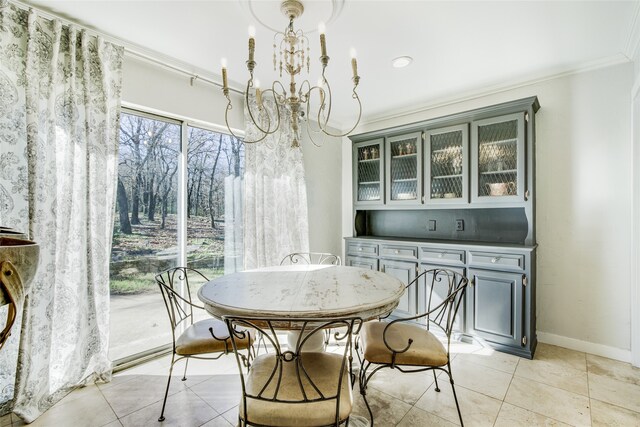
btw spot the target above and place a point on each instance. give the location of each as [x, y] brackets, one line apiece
[123, 208]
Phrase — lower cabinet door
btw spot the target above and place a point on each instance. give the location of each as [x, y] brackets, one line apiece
[370, 263]
[405, 271]
[440, 291]
[495, 306]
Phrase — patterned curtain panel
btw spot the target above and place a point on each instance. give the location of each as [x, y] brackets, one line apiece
[276, 222]
[59, 102]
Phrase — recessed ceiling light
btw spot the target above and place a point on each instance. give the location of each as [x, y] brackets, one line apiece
[402, 61]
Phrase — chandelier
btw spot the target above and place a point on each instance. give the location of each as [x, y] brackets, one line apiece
[289, 56]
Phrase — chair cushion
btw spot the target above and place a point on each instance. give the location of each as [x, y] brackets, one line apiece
[426, 349]
[323, 368]
[197, 339]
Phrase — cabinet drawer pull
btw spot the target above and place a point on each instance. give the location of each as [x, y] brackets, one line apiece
[495, 259]
[441, 254]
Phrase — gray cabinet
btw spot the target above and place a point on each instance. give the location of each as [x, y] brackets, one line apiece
[403, 169]
[439, 293]
[499, 305]
[368, 173]
[496, 301]
[498, 159]
[446, 165]
[456, 191]
[370, 263]
[405, 271]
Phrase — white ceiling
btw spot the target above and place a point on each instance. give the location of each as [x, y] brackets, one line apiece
[459, 48]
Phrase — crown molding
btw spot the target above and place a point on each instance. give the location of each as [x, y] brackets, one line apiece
[503, 87]
[633, 38]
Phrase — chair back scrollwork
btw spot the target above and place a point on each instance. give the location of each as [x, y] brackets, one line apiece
[175, 286]
[444, 292]
[320, 258]
[291, 375]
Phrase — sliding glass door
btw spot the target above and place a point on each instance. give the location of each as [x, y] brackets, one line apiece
[158, 198]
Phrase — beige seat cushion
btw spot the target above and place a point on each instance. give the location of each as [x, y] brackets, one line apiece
[426, 349]
[322, 368]
[197, 339]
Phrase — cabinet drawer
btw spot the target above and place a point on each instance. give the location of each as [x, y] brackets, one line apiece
[397, 251]
[358, 249]
[449, 256]
[370, 263]
[497, 260]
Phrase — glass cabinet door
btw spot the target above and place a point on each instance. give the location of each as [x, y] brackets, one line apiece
[446, 165]
[498, 159]
[404, 169]
[368, 167]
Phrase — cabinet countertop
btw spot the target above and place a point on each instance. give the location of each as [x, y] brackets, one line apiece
[441, 242]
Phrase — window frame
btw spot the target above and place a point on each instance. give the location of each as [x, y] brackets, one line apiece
[185, 123]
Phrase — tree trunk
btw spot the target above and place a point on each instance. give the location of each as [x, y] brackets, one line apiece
[190, 198]
[198, 189]
[211, 183]
[135, 201]
[151, 210]
[164, 212]
[123, 208]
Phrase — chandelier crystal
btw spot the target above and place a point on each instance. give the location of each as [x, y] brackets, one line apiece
[291, 57]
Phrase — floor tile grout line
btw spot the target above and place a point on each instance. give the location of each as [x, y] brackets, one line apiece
[612, 404]
[586, 364]
[506, 392]
[538, 413]
[110, 406]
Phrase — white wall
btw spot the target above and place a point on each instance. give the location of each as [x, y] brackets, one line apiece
[152, 86]
[324, 188]
[584, 204]
[635, 253]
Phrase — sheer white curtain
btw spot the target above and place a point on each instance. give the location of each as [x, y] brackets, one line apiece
[59, 96]
[275, 198]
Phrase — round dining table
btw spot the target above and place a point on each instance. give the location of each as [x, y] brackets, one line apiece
[304, 291]
[297, 291]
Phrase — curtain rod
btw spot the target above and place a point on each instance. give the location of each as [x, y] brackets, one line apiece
[133, 49]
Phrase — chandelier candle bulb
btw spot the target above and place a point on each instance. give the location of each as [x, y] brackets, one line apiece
[323, 40]
[258, 93]
[252, 48]
[354, 63]
[225, 84]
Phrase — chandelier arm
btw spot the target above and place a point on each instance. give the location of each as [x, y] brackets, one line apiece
[305, 96]
[226, 119]
[281, 99]
[308, 114]
[311, 136]
[277, 108]
[328, 101]
[268, 131]
[357, 98]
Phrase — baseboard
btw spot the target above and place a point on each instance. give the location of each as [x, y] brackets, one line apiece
[587, 347]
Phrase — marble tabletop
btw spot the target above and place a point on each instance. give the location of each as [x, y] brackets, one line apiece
[313, 291]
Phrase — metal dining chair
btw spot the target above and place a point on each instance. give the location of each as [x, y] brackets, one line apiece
[413, 344]
[290, 386]
[205, 339]
[313, 258]
[320, 258]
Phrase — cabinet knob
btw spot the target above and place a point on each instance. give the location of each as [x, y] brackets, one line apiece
[360, 249]
[441, 254]
[495, 259]
[397, 252]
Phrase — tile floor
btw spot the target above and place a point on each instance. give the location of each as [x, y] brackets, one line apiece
[559, 387]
